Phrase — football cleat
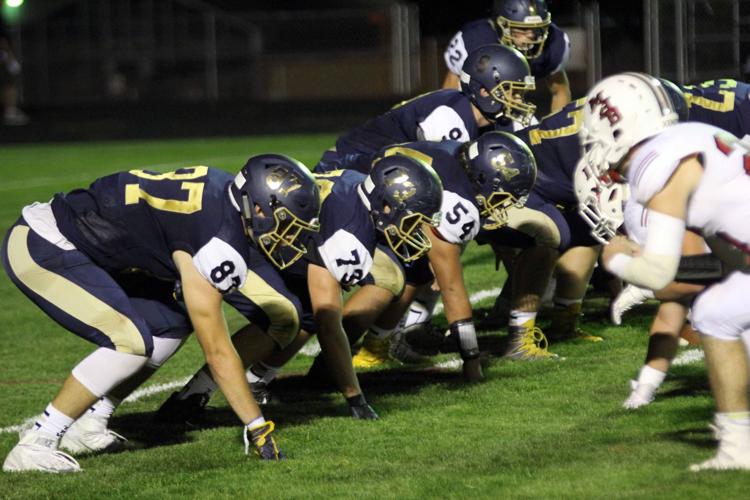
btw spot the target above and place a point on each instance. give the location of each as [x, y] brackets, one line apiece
[498, 316]
[641, 395]
[37, 451]
[402, 351]
[723, 461]
[360, 409]
[629, 297]
[528, 343]
[180, 411]
[89, 434]
[564, 325]
[261, 393]
[262, 440]
[374, 352]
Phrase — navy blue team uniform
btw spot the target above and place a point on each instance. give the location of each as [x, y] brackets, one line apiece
[554, 142]
[724, 103]
[347, 244]
[460, 220]
[435, 116]
[483, 31]
[99, 260]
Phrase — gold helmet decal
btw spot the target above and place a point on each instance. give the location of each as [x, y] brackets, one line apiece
[501, 162]
[408, 189]
[279, 179]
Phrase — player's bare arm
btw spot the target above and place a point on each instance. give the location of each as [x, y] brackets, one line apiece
[325, 295]
[204, 307]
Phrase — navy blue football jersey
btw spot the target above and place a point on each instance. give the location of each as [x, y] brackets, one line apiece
[460, 220]
[435, 116]
[554, 142]
[347, 239]
[723, 103]
[135, 220]
[474, 34]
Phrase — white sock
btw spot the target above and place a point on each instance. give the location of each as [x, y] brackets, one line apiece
[518, 318]
[53, 422]
[651, 376]
[262, 372]
[105, 407]
[201, 383]
[256, 422]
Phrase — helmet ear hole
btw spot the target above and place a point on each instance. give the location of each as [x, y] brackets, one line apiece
[616, 133]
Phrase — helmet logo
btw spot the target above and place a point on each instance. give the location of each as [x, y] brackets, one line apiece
[501, 162]
[607, 110]
[282, 181]
[408, 190]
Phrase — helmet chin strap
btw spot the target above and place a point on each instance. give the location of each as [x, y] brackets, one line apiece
[247, 215]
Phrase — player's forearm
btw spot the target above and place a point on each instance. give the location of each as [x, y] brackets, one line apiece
[229, 374]
[335, 347]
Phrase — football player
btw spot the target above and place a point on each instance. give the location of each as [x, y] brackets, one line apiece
[525, 25]
[201, 226]
[481, 179]
[370, 224]
[686, 174]
[551, 236]
[494, 80]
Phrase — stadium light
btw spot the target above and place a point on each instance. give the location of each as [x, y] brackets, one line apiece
[13, 4]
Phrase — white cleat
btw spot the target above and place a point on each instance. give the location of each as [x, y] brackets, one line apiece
[641, 395]
[723, 461]
[89, 434]
[37, 451]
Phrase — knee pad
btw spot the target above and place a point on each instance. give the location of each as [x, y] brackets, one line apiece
[163, 350]
[104, 369]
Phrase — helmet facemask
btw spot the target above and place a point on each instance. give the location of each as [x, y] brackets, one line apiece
[511, 94]
[600, 202]
[406, 238]
[495, 209]
[277, 236]
[532, 48]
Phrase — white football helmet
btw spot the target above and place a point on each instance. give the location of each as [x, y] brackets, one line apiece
[599, 204]
[621, 111]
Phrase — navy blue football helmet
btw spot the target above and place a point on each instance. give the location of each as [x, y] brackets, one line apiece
[532, 15]
[502, 171]
[287, 197]
[496, 79]
[402, 193]
[677, 96]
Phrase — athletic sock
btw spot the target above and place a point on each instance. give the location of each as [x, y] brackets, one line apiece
[651, 376]
[53, 422]
[521, 318]
[105, 407]
[201, 383]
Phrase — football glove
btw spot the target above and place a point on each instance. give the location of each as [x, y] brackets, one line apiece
[262, 440]
[359, 408]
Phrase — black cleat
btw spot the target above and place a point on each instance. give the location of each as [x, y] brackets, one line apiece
[181, 411]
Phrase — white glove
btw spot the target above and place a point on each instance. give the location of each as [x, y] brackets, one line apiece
[629, 297]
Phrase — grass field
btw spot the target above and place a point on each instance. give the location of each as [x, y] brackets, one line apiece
[542, 429]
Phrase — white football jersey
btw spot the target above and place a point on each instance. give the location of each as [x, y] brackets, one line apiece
[721, 203]
[444, 123]
[459, 221]
[635, 221]
[221, 265]
[346, 257]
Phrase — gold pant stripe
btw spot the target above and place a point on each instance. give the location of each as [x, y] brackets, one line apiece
[282, 315]
[386, 273]
[71, 298]
[536, 224]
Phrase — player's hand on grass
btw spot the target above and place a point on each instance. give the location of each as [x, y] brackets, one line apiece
[261, 438]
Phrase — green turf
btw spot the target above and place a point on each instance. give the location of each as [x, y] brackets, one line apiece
[544, 429]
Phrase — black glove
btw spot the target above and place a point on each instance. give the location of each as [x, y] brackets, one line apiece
[264, 443]
[359, 408]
